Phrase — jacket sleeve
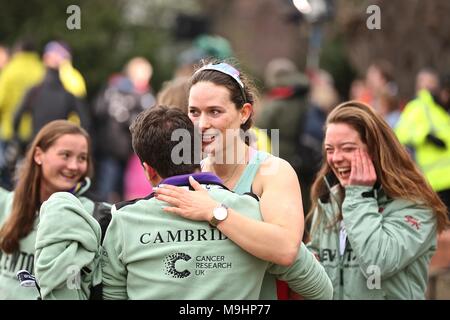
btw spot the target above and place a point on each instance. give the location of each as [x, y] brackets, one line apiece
[313, 244]
[113, 268]
[67, 260]
[306, 276]
[390, 242]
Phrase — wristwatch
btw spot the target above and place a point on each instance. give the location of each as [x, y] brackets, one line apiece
[219, 214]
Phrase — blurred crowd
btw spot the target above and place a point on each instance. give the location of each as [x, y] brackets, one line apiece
[35, 90]
[289, 118]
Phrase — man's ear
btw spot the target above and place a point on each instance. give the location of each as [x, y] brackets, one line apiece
[150, 173]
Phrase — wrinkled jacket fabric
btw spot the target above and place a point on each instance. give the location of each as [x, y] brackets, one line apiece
[24, 258]
[67, 256]
[388, 247]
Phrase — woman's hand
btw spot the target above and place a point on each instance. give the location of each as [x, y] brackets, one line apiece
[192, 205]
[363, 172]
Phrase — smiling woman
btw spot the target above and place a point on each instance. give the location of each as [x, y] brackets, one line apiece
[374, 216]
[58, 160]
[221, 103]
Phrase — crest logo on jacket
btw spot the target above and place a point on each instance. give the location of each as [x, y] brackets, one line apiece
[412, 221]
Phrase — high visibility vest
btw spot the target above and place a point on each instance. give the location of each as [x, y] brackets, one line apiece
[420, 117]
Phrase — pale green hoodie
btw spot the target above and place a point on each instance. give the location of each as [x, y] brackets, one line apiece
[388, 246]
[10, 264]
[67, 254]
[151, 254]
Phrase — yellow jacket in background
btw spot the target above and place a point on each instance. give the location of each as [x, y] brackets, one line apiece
[421, 117]
[23, 71]
[72, 80]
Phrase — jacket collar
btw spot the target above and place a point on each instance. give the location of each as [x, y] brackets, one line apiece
[207, 178]
[81, 187]
[332, 185]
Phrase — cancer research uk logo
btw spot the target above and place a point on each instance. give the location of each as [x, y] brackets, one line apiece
[179, 265]
[170, 261]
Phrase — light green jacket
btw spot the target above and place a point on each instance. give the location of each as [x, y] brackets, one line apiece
[151, 254]
[388, 247]
[67, 256]
[10, 264]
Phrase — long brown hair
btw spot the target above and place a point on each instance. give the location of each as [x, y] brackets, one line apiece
[27, 192]
[396, 171]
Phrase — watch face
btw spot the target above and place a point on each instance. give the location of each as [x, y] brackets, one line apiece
[220, 213]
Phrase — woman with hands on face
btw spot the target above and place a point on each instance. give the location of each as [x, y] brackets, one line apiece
[221, 106]
[374, 216]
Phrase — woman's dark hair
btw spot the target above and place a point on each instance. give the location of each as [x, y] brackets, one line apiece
[239, 95]
[27, 192]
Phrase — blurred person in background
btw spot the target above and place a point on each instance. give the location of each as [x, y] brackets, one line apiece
[284, 109]
[359, 91]
[379, 79]
[49, 100]
[323, 98]
[205, 46]
[430, 138]
[115, 108]
[389, 107]
[424, 128]
[175, 93]
[24, 70]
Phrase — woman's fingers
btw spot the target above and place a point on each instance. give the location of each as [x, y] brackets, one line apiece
[356, 168]
[372, 174]
[169, 190]
[173, 210]
[197, 186]
[364, 164]
[170, 200]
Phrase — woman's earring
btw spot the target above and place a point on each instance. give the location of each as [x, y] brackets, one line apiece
[38, 163]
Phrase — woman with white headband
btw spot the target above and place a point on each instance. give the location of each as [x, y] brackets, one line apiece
[221, 103]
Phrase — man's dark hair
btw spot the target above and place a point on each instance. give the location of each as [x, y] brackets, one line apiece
[151, 133]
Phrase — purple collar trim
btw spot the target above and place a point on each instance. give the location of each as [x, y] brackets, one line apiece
[202, 178]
